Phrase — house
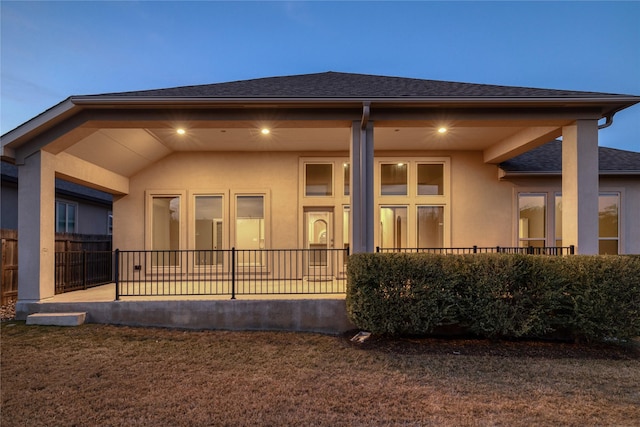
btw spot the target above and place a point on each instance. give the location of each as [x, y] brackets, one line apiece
[329, 160]
[78, 209]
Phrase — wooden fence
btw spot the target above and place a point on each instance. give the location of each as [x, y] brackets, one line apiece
[65, 242]
[9, 266]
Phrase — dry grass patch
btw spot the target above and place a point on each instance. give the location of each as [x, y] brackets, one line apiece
[117, 376]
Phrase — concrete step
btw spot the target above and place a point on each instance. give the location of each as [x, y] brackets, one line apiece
[57, 319]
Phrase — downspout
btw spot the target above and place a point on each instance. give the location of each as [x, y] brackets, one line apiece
[608, 122]
[366, 109]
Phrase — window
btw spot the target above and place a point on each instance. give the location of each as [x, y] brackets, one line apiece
[165, 230]
[110, 223]
[430, 226]
[250, 232]
[209, 229]
[608, 222]
[608, 214]
[66, 217]
[532, 220]
[318, 179]
[558, 220]
[393, 227]
[393, 179]
[346, 178]
[430, 179]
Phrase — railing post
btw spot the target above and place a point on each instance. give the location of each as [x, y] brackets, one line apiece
[572, 250]
[84, 269]
[117, 272]
[475, 249]
[377, 249]
[233, 273]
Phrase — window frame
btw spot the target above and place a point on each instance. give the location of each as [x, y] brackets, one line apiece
[193, 195]
[546, 237]
[552, 194]
[67, 204]
[413, 200]
[182, 228]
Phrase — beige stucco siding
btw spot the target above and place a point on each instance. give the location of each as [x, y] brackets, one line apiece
[230, 173]
[481, 206]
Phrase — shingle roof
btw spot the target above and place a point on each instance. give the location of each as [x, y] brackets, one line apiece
[348, 85]
[548, 158]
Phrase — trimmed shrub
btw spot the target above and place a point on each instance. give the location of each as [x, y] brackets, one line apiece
[495, 295]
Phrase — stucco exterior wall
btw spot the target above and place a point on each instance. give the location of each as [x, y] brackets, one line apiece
[275, 173]
[481, 206]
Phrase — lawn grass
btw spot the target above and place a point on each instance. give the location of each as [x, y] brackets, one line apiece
[99, 375]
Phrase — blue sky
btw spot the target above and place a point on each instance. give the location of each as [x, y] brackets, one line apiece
[51, 50]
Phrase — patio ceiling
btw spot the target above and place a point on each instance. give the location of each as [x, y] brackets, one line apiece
[126, 151]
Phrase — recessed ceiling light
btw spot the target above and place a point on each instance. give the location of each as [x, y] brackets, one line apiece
[181, 131]
[442, 130]
[265, 131]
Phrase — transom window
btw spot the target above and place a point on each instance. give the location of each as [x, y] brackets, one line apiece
[393, 179]
[430, 179]
[318, 179]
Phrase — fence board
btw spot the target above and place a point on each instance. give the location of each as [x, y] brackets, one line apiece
[9, 266]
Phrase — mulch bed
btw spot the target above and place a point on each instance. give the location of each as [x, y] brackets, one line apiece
[8, 311]
[503, 348]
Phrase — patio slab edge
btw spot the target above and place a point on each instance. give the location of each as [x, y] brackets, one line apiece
[327, 316]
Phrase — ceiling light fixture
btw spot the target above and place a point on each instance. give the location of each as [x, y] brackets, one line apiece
[265, 131]
[442, 130]
[181, 131]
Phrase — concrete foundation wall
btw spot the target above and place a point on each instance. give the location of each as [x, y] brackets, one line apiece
[327, 316]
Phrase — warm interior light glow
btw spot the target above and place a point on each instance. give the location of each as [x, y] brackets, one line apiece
[442, 130]
[400, 164]
[265, 131]
[181, 131]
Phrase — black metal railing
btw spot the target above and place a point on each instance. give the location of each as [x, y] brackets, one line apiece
[230, 272]
[82, 270]
[528, 250]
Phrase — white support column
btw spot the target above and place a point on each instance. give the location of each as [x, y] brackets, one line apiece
[36, 227]
[580, 186]
[361, 219]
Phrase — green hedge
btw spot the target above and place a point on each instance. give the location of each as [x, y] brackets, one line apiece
[496, 295]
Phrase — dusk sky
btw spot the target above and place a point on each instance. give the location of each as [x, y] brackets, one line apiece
[52, 50]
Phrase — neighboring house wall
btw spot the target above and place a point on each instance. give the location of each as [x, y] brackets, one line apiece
[8, 204]
[92, 208]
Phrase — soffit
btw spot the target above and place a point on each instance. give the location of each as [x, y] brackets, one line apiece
[127, 151]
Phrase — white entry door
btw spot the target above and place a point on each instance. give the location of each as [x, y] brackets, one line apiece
[318, 237]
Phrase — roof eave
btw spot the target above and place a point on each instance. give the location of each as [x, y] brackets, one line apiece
[552, 174]
[36, 125]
